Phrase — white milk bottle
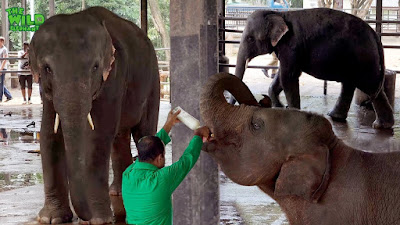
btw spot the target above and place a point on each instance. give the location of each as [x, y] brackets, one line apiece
[187, 119]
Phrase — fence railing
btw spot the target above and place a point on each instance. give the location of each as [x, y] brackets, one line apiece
[235, 18]
[162, 65]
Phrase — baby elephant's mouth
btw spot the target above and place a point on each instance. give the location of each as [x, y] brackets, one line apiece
[210, 145]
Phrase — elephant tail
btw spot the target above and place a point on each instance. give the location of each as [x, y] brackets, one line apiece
[381, 65]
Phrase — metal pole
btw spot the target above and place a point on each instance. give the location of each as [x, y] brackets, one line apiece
[143, 15]
[51, 8]
[379, 18]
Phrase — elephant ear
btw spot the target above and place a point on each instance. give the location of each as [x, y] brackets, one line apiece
[278, 28]
[109, 58]
[33, 63]
[305, 176]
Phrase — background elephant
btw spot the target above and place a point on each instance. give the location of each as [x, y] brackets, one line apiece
[325, 43]
[74, 56]
[295, 158]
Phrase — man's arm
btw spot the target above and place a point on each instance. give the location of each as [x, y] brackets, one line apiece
[178, 170]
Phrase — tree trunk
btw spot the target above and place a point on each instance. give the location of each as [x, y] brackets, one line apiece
[83, 4]
[160, 25]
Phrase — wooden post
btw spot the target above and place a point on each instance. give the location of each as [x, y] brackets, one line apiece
[194, 58]
[143, 15]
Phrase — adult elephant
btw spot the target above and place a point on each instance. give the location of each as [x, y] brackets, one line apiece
[325, 43]
[295, 158]
[100, 81]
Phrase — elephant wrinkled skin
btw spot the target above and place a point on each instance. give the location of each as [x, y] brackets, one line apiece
[325, 43]
[295, 158]
[93, 66]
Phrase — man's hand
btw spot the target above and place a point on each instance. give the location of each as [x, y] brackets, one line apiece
[171, 120]
[204, 132]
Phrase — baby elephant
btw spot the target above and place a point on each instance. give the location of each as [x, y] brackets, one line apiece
[325, 43]
[295, 158]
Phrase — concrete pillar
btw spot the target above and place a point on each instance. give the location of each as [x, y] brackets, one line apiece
[194, 58]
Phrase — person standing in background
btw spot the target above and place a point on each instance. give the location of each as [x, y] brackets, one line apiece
[25, 78]
[3, 66]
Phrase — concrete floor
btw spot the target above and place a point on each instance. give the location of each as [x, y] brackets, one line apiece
[21, 188]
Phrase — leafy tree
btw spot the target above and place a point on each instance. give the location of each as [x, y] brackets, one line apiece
[127, 9]
[15, 36]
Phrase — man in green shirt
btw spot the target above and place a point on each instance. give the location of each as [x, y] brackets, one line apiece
[147, 185]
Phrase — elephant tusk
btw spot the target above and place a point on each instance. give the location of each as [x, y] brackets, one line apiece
[89, 117]
[56, 123]
[247, 64]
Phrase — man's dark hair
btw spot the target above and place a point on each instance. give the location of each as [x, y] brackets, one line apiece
[149, 147]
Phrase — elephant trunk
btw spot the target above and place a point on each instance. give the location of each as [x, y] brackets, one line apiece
[241, 62]
[75, 148]
[216, 112]
[73, 119]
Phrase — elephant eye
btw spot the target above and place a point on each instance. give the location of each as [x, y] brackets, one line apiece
[48, 69]
[95, 67]
[256, 126]
[250, 39]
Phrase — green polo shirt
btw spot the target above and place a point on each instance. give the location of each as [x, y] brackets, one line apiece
[147, 190]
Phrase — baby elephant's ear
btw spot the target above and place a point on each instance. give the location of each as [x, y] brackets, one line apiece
[278, 28]
[305, 176]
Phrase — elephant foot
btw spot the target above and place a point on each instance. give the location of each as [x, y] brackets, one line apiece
[115, 190]
[54, 215]
[338, 117]
[379, 124]
[97, 221]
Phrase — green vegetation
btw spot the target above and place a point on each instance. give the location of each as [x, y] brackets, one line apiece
[127, 9]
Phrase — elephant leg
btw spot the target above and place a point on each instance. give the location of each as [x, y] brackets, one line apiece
[290, 83]
[339, 112]
[121, 158]
[383, 112]
[97, 167]
[149, 119]
[274, 90]
[56, 206]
